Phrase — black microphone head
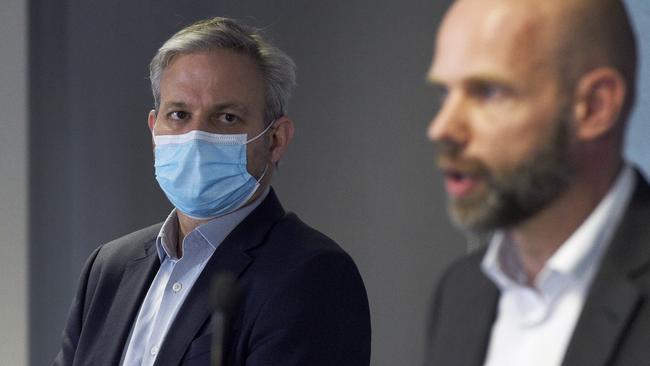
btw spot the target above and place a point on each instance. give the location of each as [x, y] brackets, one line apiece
[224, 292]
[224, 295]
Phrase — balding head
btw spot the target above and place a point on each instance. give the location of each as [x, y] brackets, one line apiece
[571, 37]
[598, 33]
[536, 93]
[509, 35]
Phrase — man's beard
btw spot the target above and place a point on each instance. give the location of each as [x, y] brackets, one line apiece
[511, 196]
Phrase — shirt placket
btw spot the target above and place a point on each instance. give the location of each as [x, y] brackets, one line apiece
[155, 339]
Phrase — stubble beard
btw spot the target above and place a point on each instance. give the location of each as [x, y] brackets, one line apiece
[512, 196]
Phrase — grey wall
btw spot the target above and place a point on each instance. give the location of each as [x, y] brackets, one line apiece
[13, 182]
[360, 168]
[638, 136]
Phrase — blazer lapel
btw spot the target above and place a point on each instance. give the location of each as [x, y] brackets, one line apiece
[231, 256]
[474, 316]
[607, 311]
[614, 297]
[463, 316]
[482, 318]
[133, 287]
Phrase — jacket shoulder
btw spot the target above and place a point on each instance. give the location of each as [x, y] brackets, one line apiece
[298, 243]
[129, 246]
[295, 255]
[466, 269]
[305, 284]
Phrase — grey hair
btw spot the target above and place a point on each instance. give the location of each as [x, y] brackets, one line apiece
[278, 69]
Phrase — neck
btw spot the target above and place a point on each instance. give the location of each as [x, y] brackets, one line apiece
[538, 238]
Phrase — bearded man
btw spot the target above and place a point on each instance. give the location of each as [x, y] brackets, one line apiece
[536, 95]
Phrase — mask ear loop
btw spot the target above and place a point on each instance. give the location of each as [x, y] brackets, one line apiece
[153, 131]
[266, 166]
[261, 133]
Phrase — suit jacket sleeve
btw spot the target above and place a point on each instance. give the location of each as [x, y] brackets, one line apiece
[320, 317]
[74, 325]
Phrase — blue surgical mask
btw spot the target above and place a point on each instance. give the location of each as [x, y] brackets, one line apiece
[204, 174]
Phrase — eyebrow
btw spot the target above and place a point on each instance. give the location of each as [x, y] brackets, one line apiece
[487, 78]
[231, 105]
[435, 82]
[173, 104]
[214, 108]
[474, 79]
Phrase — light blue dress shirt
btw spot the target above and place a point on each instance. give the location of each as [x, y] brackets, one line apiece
[175, 279]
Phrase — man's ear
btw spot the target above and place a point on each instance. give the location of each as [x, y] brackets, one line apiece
[600, 95]
[151, 120]
[281, 136]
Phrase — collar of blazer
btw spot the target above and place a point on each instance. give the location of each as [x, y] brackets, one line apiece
[616, 292]
[130, 291]
[230, 256]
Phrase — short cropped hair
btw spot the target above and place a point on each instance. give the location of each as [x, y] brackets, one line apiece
[600, 33]
[277, 68]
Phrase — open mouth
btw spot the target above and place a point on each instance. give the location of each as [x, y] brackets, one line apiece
[460, 184]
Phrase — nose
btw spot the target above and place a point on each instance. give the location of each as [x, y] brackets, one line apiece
[450, 125]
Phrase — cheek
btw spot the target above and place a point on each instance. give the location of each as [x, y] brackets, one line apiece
[250, 155]
[256, 155]
[504, 139]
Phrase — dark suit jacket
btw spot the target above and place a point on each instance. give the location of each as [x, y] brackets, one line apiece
[613, 328]
[302, 299]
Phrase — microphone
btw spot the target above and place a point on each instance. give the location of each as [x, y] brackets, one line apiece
[224, 295]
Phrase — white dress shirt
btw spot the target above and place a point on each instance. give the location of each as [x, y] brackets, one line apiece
[533, 325]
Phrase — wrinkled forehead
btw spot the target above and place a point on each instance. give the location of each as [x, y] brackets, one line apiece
[505, 33]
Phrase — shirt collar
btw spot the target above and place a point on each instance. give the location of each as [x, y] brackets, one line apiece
[501, 262]
[212, 233]
[586, 245]
[578, 255]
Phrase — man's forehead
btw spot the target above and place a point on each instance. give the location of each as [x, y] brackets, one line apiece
[222, 78]
[494, 21]
[503, 15]
[500, 33]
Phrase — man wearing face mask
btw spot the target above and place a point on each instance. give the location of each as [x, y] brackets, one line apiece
[219, 129]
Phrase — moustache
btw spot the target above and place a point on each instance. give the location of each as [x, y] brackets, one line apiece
[450, 161]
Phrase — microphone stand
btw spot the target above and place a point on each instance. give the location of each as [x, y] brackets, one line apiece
[224, 295]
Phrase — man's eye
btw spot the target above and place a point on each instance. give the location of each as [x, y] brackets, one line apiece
[179, 115]
[488, 91]
[228, 118]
